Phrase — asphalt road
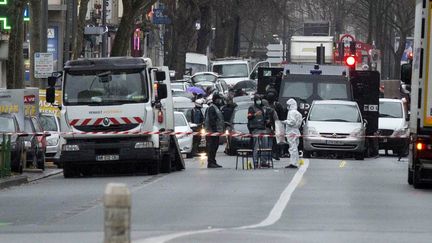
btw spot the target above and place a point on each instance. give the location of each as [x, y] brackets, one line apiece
[325, 201]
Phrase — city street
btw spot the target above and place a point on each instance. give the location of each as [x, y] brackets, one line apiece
[334, 201]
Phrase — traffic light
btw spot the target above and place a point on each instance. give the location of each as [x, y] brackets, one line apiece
[350, 61]
[4, 15]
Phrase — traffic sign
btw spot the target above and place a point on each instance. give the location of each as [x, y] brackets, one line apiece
[159, 17]
[43, 65]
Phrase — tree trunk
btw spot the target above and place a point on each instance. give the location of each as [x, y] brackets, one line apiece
[204, 34]
[15, 63]
[35, 37]
[79, 37]
[123, 35]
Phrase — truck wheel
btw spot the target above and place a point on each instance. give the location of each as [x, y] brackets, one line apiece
[410, 176]
[166, 164]
[416, 179]
[154, 167]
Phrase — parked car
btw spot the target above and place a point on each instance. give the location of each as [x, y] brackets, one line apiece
[9, 124]
[334, 126]
[37, 139]
[204, 77]
[393, 126]
[238, 124]
[51, 124]
[184, 140]
[180, 85]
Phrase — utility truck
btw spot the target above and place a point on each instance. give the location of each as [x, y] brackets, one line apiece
[420, 156]
[116, 111]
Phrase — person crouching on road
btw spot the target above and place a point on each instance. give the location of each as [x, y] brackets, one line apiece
[214, 122]
[258, 124]
[292, 131]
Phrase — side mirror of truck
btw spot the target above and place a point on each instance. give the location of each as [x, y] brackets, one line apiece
[160, 76]
[408, 116]
[50, 94]
[162, 91]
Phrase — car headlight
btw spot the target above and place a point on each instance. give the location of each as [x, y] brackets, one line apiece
[357, 133]
[312, 132]
[403, 132]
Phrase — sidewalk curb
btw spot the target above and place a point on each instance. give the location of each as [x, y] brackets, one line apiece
[13, 181]
[45, 176]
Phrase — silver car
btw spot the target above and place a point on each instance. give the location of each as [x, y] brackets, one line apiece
[334, 126]
[50, 123]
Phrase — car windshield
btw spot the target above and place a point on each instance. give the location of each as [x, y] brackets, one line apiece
[7, 124]
[204, 78]
[240, 116]
[105, 87]
[302, 90]
[231, 70]
[334, 113]
[179, 120]
[390, 109]
[332, 91]
[48, 123]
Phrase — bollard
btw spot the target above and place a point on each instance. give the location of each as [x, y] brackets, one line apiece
[117, 203]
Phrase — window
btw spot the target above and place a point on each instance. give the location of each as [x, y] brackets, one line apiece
[334, 113]
[28, 126]
[179, 120]
[7, 124]
[105, 87]
[302, 90]
[231, 70]
[48, 123]
[332, 91]
[390, 109]
[240, 116]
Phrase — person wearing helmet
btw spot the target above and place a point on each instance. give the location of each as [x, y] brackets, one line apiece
[292, 131]
[214, 122]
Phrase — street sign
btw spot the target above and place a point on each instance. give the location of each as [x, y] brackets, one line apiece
[43, 65]
[159, 17]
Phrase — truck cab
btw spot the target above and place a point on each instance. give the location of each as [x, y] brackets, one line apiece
[112, 113]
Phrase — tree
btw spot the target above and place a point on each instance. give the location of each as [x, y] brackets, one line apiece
[227, 40]
[15, 62]
[131, 10]
[79, 37]
[205, 31]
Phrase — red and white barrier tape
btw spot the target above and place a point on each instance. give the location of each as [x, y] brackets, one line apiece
[207, 134]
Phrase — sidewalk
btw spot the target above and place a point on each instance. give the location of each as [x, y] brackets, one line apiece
[29, 175]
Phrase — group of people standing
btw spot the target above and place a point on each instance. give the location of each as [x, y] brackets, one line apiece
[262, 117]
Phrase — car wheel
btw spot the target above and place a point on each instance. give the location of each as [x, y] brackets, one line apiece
[410, 176]
[154, 167]
[416, 179]
[69, 171]
[306, 154]
[359, 156]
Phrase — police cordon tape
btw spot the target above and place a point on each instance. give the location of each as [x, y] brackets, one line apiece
[207, 134]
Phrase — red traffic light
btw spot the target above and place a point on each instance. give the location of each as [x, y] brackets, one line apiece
[350, 61]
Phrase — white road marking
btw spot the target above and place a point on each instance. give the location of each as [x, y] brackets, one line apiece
[274, 215]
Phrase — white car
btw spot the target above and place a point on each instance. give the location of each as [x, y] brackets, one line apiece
[393, 126]
[184, 140]
[50, 123]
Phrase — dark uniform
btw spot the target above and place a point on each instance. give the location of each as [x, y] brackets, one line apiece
[214, 122]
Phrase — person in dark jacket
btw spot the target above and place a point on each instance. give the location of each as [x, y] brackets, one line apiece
[281, 113]
[214, 122]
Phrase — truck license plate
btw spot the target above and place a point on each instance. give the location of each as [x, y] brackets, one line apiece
[107, 157]
[332, 142]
